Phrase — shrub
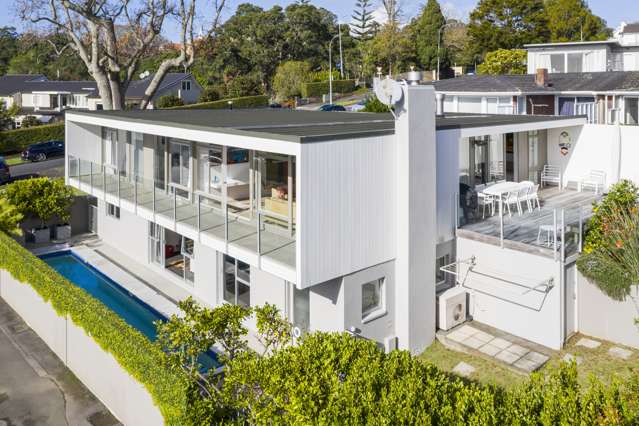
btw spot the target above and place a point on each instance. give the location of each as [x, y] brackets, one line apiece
[314, 90]
[168, 101]
[244, 102]
[375, 105]
[244, 85]
[289, 78]
[622, 195]
[318, 76]
[12, 141]
[504, 61]
[212, 93]
[133, 351]
[30, 121]
[42, 197]
[10, 218]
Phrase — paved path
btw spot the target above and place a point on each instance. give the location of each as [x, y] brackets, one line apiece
[35, 387]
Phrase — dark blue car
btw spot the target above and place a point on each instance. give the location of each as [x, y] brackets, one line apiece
[42, 150]
[332, 107]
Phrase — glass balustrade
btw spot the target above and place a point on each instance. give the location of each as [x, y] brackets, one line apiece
[241, 221]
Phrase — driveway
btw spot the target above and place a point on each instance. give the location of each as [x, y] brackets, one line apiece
[51, 168]
[35, 387]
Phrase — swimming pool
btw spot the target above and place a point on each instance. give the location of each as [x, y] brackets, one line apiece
[135, 312]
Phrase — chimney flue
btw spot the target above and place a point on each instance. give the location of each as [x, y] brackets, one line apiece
[541, 77]
[439, 97]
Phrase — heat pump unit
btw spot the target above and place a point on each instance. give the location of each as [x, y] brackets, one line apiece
[452, 308]
[390, 344]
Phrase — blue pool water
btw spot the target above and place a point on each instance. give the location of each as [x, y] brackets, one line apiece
[132, 310]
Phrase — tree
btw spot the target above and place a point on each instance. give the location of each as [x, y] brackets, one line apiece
[393, 10]
[7, 115]
[289, 78]
[168, 101]
[111, 37]
[10, 218]
[504, 61]
[30, 121]
[362, 24]
[8, 47]
[425, 31]
[572, 20]
[43, 198]
[507, 24]
[391, 50]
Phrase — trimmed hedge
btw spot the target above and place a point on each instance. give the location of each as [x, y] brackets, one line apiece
[140, 357]
[16, 140]
[243, 102]
[314, 90]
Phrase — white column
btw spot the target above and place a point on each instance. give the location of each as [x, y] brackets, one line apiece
[415, 139]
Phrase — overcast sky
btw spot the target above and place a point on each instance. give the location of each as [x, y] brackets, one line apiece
[613, 11]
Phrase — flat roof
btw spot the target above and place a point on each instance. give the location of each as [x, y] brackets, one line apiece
[301, 126]
[571, 43]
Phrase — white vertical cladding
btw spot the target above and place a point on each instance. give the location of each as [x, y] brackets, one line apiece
[447, 183]
[83, 141]
[346, 199]
[416, 183]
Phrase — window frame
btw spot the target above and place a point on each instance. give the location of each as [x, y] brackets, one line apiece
[379, 309]
[112, 210]
[238, 279]
[186, 85]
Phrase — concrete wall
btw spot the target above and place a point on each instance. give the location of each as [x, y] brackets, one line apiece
[205, 267]
[129, 234]
[327, 306]
[507, 306]
[613, 149]
[618, 323]
[125, 397]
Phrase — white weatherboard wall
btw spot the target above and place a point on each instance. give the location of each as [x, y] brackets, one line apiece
[346, 196]
[124, 396]
[506, 306]
[610, 148]
[618, 323]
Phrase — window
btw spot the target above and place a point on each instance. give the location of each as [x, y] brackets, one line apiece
[112, 210]
[557, 63]
[180, 163]
[186, 85]
[372, 298]
[236, 281]
[575, 62]
[441, 277]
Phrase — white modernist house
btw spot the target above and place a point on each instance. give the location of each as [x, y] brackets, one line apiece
[620, 53]
[348, 221]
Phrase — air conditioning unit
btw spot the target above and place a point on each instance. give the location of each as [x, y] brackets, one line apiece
[390, 344]
[452, 308]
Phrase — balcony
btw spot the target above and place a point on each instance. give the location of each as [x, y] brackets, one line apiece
[254, 231]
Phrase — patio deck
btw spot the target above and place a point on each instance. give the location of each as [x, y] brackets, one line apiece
[523, 232]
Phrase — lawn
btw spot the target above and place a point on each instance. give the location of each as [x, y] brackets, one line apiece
[595, 362]
[13, 160]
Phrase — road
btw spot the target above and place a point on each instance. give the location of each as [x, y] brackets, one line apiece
[51, 168]
[35, 387]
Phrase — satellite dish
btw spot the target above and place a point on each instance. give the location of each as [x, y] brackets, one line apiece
[388, 91]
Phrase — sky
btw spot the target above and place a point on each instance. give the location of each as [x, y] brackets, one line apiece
[613, 11]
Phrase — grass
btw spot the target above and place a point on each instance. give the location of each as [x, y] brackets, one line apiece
[13, 160]
[596, 362]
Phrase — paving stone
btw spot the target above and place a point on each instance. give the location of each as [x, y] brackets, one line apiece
[507, 357]
[588, 343]
[517, 350]
[457, 336]
[464, 369]
[467, 330]
[620, 353]
[526, 365]
[500, 343]
[483, 336]
[536, 357]
[571, 357]
[471, 342]
[490, 349]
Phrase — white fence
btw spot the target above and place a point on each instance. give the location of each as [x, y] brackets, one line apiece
[124, 396]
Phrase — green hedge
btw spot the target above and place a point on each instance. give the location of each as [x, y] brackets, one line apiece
[314, 90]
[243, 102]
[12, 141]
[134, 352]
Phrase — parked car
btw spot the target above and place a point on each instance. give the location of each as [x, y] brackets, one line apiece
[358, 106]
[331, 107]
[5, 175]
[42, 150]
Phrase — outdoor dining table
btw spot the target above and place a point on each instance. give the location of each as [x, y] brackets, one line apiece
[498, 189]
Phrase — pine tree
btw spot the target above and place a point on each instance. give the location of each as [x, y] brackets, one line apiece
[362, 25]
[425, 30]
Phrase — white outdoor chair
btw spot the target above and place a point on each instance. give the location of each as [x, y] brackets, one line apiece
[484, 200]
[512, 197]
[549, 234]
[551, 174]
[533, 198]
[595, 180]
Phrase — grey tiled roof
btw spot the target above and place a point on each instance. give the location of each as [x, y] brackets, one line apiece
[631, 28]
[567, 82]
[138, 87]
[13, 83]
[60, 86]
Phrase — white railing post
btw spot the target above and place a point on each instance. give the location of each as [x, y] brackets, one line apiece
[91, 177]
[563, 235]
[554, 224]
[174, 208]
[259, 233]
[581, 228]
[135, 193]
[226, 225]
[153, 191]
[501, 221]
[199, 213]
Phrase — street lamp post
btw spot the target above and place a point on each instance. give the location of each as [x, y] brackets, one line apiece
[330, 69]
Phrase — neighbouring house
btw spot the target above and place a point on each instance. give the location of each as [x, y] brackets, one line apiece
[620, 53]
[357, 222]
[603, 97]
[47, 100]
[181, 85]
